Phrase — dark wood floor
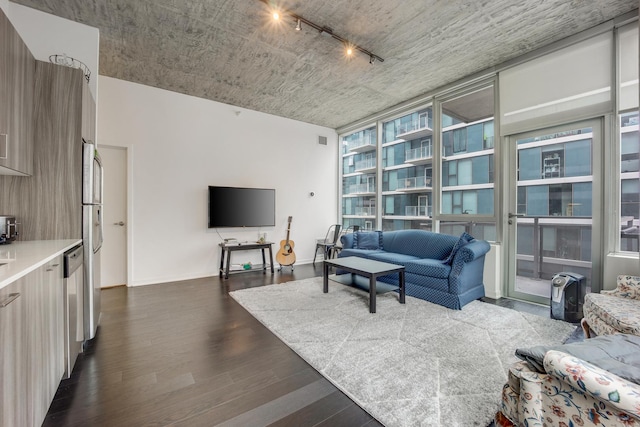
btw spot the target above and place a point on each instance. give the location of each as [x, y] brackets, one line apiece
[186, 353]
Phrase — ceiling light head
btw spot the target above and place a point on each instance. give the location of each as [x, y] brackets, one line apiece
[298, 26]
[371, 59]
[349, 51]
[276, 15]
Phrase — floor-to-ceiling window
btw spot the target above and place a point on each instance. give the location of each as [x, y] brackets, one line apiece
[629, 140]
[407, 153]
[629, 182]
[444, 163]
[359, 172]
[467, 162]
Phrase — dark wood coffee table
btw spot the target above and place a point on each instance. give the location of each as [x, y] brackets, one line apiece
[366, 268]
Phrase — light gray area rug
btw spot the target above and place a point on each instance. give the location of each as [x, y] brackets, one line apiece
[417, 364]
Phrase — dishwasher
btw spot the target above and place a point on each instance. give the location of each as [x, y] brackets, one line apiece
[73, 307]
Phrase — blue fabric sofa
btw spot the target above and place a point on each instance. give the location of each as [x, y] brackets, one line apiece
[439, 268]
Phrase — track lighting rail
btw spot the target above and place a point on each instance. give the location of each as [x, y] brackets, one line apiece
[350, 47]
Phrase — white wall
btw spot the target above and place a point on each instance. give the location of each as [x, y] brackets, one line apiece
[46, 35]
[178, 145]
[616, 264]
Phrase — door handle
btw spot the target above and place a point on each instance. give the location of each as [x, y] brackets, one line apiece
[4, 146]
[514, 215]
[52, 267]
[120, 223]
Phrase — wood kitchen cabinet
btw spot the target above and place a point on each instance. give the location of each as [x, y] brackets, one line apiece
[45, 335]
[88, 115]
[17, 76]
[32, 340]
[13, 355]
[49, 203]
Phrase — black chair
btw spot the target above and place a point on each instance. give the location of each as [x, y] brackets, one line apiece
[329, 242]
[338, 246]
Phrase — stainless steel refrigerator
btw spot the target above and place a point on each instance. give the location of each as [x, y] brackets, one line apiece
[91, 235]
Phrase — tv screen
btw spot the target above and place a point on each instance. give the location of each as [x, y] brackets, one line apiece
[241, 207]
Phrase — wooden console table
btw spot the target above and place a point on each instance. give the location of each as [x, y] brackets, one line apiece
[227, 249]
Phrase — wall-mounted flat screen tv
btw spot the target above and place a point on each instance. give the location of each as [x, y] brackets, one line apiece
[241, 207]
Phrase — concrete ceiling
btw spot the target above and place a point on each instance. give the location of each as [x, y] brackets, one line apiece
[230, 51]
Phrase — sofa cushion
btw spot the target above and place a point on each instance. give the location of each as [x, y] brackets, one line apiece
[362, 253]
[393, 258]
[367, 240]
[463, 240]
[597, 326]
[621, 314]
[428, 267]
[628, 287]
[419, 243]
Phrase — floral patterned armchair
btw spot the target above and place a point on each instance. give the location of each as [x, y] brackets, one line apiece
[572, 392]
[615, 311]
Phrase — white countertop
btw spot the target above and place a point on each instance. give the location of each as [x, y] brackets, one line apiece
[21, 258]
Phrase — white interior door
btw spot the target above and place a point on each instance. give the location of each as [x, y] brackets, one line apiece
[114, 248]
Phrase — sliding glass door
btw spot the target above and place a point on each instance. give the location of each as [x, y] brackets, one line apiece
[554, 202]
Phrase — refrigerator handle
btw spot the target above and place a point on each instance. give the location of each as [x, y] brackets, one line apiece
[100, 230]
[100, 215]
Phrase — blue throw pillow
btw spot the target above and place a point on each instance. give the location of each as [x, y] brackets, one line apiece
[367, 240]
[462, 241]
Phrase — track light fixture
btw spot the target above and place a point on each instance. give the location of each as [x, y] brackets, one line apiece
[350, 48]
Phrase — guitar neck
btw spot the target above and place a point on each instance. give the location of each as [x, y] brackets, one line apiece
[288, 229]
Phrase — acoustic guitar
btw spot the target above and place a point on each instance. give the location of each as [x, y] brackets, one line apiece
[285, 255]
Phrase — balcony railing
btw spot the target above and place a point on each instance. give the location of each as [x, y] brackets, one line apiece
[366, 140]
[420, 153]
[365, 211]
[417, 211]
[365, 164]
[361, 188]
[417, 123]
[418, 182]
